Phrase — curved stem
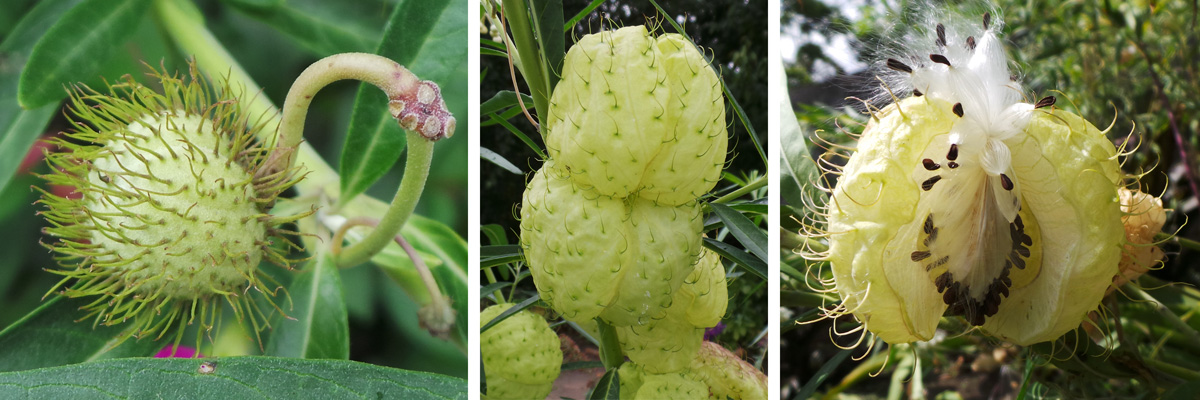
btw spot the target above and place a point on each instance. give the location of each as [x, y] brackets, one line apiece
[416, 104]
[416, 169]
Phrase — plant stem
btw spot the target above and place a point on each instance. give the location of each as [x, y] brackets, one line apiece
[416, 169]
[1181, 327]
[1185, 242]
[610, 346]
[1172, 369]
[416, 104]
[753, 185]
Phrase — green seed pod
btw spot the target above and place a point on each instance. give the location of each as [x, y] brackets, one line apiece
[638, 115]
[608, 113]
[575, 242]
[174, 213]
[521, 355]
[689, 164]
[727, 375]
[705, 291]
[893, 253]
[667, 242]
[672, 385]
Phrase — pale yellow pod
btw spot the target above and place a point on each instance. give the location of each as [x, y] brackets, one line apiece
[705, 291]
[666, 240]
[608, 114]
[575, 243]
[1070, 177]
[693, 152]
[914, 196]
[727, 375]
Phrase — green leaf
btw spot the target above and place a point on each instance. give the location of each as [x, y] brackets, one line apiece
[746, 231]
[426, 36]
[495, 234]
[815, 381]
[490, 256]
[608, 388]
[582, 13]
[798, 167]
[17, 136]
[323, 27]
[49, 336]
[495, 158]
[730, 252]
[547, 18]
[517, 15]
[510, 311]
[320, 328]
[19, 128]
[229, 378]
[76, 47]
[486, 291]
[503, 100]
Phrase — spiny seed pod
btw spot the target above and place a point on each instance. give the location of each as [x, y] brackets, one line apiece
[593, 255]
[667, 242]
[669, 343]
[727, 375]
[174, 214]
[639, 384]
[575, 242]
[635, 114]
[705, 291]
[965, 200]
[521, 355]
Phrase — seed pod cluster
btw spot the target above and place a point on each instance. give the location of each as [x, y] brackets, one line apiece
[521, 355]
[174, 213]
[610, 225]
[636, 132]
[713, 373]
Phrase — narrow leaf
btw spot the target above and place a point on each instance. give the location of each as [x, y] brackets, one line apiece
[510, 311]
[547, 17]
[18, 130]
[320, 328]
[823, 373]
[799, 169]
[608, 388]
[49, 336]
[486, 291]
[76, 47]
[746, 231]
[426, 37]
[490, 256]
[323, 27]
[499, 160]
[229, 378]
[502, 100]
[752, 263]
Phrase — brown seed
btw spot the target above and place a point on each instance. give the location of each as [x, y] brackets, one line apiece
[940, 59]
[1005, 182]
[958, 109]
[953, 153]
[1045, 102]
[928, 184]
[930, 165]
[899, 66]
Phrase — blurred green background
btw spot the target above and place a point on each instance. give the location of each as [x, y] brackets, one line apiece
[1137, 61]
[274, 41]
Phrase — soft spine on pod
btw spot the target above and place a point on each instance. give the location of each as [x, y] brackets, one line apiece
[173, 213]
[610, 225]
[965, 199]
